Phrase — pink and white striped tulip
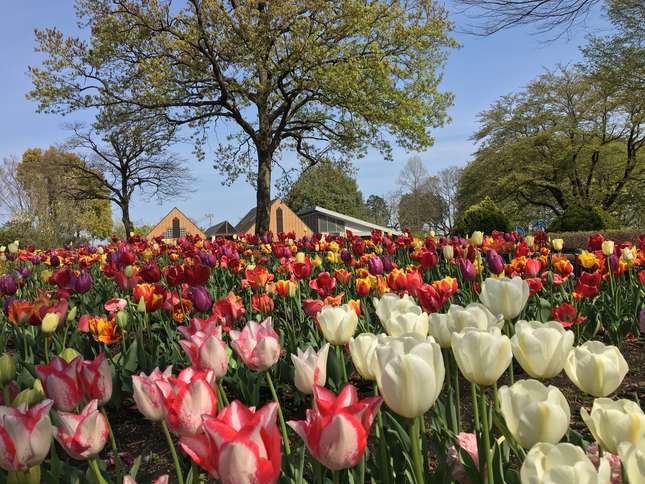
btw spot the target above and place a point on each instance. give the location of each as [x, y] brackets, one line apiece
[95, 378]
[60, 382]
[207, 351]
[336, 429]
[257, 344]
[25, 435]
[147, 395]
[310, 368]
[83, 435]
[186, 398]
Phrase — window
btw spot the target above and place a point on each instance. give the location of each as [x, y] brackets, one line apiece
[176, 229]
[278, 221]
[167, 234]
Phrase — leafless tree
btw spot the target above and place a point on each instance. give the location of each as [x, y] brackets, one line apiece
[447, 184]
[413, 176]
[14, 199]
[128, 156]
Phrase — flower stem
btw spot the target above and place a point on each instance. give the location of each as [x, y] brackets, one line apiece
[335, 477]
[115, 450]
[384, 459]
[486, 435]
[473, 391]
[415, 441]
[173, 452]
[283, 427]
[46, 343]
[341, 361]
[93, 463]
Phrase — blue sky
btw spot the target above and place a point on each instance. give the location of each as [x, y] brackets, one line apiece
[478, 73]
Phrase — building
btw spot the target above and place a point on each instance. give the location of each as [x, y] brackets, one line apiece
[222, 229]
[325, 221]
[174, 225]
[283, 219]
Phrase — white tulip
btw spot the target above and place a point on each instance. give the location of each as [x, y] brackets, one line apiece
[562, 464]
[612, 422]
[607, 248]
[541, 348]
[413, 321]
[310, 368]
[505, 296]
[448, 252]
[391, 303]
[475, 315]
[477, 238]
[633, 458]
[596, 368]
[362, 350]
[557, 244]
[337, 323]
[409, 373]
[482, 356]
[534, 413]
[440, 329]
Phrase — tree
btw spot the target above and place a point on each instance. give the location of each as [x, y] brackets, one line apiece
[328, 186]
[419, 209]
[14, 199]
[413, 176]
[314, 76]
[446, 185]
[124, 156]
[377, 210]
[56, 216]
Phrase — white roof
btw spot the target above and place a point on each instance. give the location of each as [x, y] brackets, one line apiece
[347, 218]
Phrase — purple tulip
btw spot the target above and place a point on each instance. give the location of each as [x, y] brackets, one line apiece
[83, 282]
[387, 263]
[8, 285]
[346, 256]
[35, 260]
[54, 261]
[9, 300]
[375, 265]
[467, 270]
[494, 261]
[613, 262]
[23, 272]
[202, 300]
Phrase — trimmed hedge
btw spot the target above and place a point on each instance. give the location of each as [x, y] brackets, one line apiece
[484, 216]
[578, 240]
[577, 218]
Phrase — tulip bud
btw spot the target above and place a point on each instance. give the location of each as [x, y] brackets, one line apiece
[7, 369]
[128, 271]
[534, 413]
[310, 368]
[29, 396]
[71, 315]
[122, 319]
[557, 244]
[141, 307]
[361, 350]
[68, 354]
[448, 252]
[50, 323]
[477, 238]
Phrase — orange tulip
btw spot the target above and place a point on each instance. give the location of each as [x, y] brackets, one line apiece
[363, 286]
[343, 276]
[153, 295]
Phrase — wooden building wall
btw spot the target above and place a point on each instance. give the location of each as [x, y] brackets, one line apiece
[290, 221]
[166, 224]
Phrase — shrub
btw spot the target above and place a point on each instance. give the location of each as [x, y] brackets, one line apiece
[484, 216]
[578, 240]
[579, 217]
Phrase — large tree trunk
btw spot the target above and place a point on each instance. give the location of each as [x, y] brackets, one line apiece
[125, 218]
[263, 206]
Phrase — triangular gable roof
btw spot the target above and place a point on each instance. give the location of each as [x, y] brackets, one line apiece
[348, 218]
[192, 227]
[222, 228]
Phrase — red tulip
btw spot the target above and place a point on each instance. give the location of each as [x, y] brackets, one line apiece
[186, 398]
[430, 299]
[241, 445]
[150, 272]
[262, 303]
[336, 429]
[174, 275]
[567, 315]
[197, 275]
[302, 270]
[153, 296]
[228, 310]
[324, 284]
[25, 435]
[532, 267]
[60, 381]
[207, 351]
[413, 281]
[535, 285]
[84, 435]
[588, 285]
[95, 378]
[257, 344]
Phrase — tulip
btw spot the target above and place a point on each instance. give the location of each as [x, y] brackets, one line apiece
[201, 299]
[440, 329]
[530, 241]
[185, 399]
[50, 323]
[505, 296]
[561, 464]
[95, 379]
[593, 452]
[8, 286]
[475, 315]
[84, 435]
[337, 323]
[83, 282]
[257, 344]
[607, 247]
[412, 321]
[310, 368]
[115, 305]
[25, 435]
[336, 429]
[228, 310]
[632, 457]
[61, 382]
[541, 348]
[534, 413]
[401, 365]
[149, 296]
[467, 269]
[207, 351]
[362, 349]
[557, 244]
[147, 395]
[494, 261]
[375, 265]
[532, 267]
[7, 369]
[448, 252]
[482, 356]
[595, 368]
[612, 422]
[240, 445]
[392, 303]
[477, 238]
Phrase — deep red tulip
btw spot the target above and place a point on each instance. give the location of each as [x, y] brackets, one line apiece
[196, 275]
[323, 284]
[588, 285]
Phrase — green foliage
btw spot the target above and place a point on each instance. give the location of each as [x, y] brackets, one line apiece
[328, 186]
[378, 210]
[15, 229]
[419, 208]
[578, 218]
[484, 216]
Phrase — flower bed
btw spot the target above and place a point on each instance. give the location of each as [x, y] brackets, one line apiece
[415, 360]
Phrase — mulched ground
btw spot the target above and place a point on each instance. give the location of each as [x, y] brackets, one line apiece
[137, 436]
